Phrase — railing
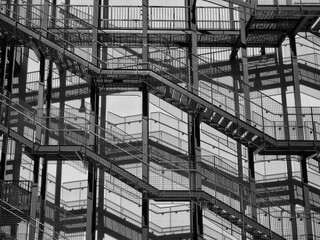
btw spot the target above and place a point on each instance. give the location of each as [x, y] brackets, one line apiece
[123, 207]
[166, 175]
[287, 2]
[205, 174]
[160, 17]
[268, 108]
[224, 98]
[15, 206]
[99, 137]
[307, 131]
[80, 127]
[224, 180]
[125, 210]
[162, 133]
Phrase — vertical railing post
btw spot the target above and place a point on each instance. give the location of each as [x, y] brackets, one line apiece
[242, 209]
[314, 127]
[269, 214]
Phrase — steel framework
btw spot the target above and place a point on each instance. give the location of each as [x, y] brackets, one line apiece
[228, 80]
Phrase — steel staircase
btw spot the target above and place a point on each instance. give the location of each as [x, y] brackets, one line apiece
[213, 163]
[72, 223]
[158, 154]
[240, 128]
[15, 206]
[249, 131]
[213, 203]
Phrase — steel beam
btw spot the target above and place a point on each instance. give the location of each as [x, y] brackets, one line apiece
[145, 160]
[92, 169]
[22, 76]
[3, 63]
[306, 198]
[246, 91]
[297, 100]
[44, 171]
[57, 197]
[236, 80]
[102, 147]
[101, 171]
[94, 112]
[194, 149]
[145, 122]
[288, 157]
[296, 87]
[5, 109]
[38, 139]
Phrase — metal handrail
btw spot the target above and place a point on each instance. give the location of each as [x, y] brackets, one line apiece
[94, 133]
[255, 105]
[31, 222]
[187, 170]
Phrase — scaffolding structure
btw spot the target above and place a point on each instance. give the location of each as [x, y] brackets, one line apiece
[222, 143]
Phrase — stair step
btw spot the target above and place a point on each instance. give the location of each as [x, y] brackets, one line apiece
[316, 26]
[232, 127]
[170, 100]
[184, 100]
[207, 113]
[176, 95]
[240, 131]
[258, 141]
[216, 118]
[160, 90]
[224, 123]
[249, 136]
[193, 104]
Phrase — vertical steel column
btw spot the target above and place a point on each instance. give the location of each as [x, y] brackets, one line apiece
[94, 111]
[3, 70]
[252, 184]
[102, 148]
[236, 81]
[92, 169]
[194, 149]
[306, 198]
[5, 139]
[44, 172]
[57, 197]
[244, 59]
[145, 159]
[38, 140]
[101, 191]
[23, 73]
[246, 91]
[297, 100]
[6, 110]
[91, 202]
[145, 124]
[62, 100]
[195, 178]
[3, 63]
[296, 86]
[288, 157]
